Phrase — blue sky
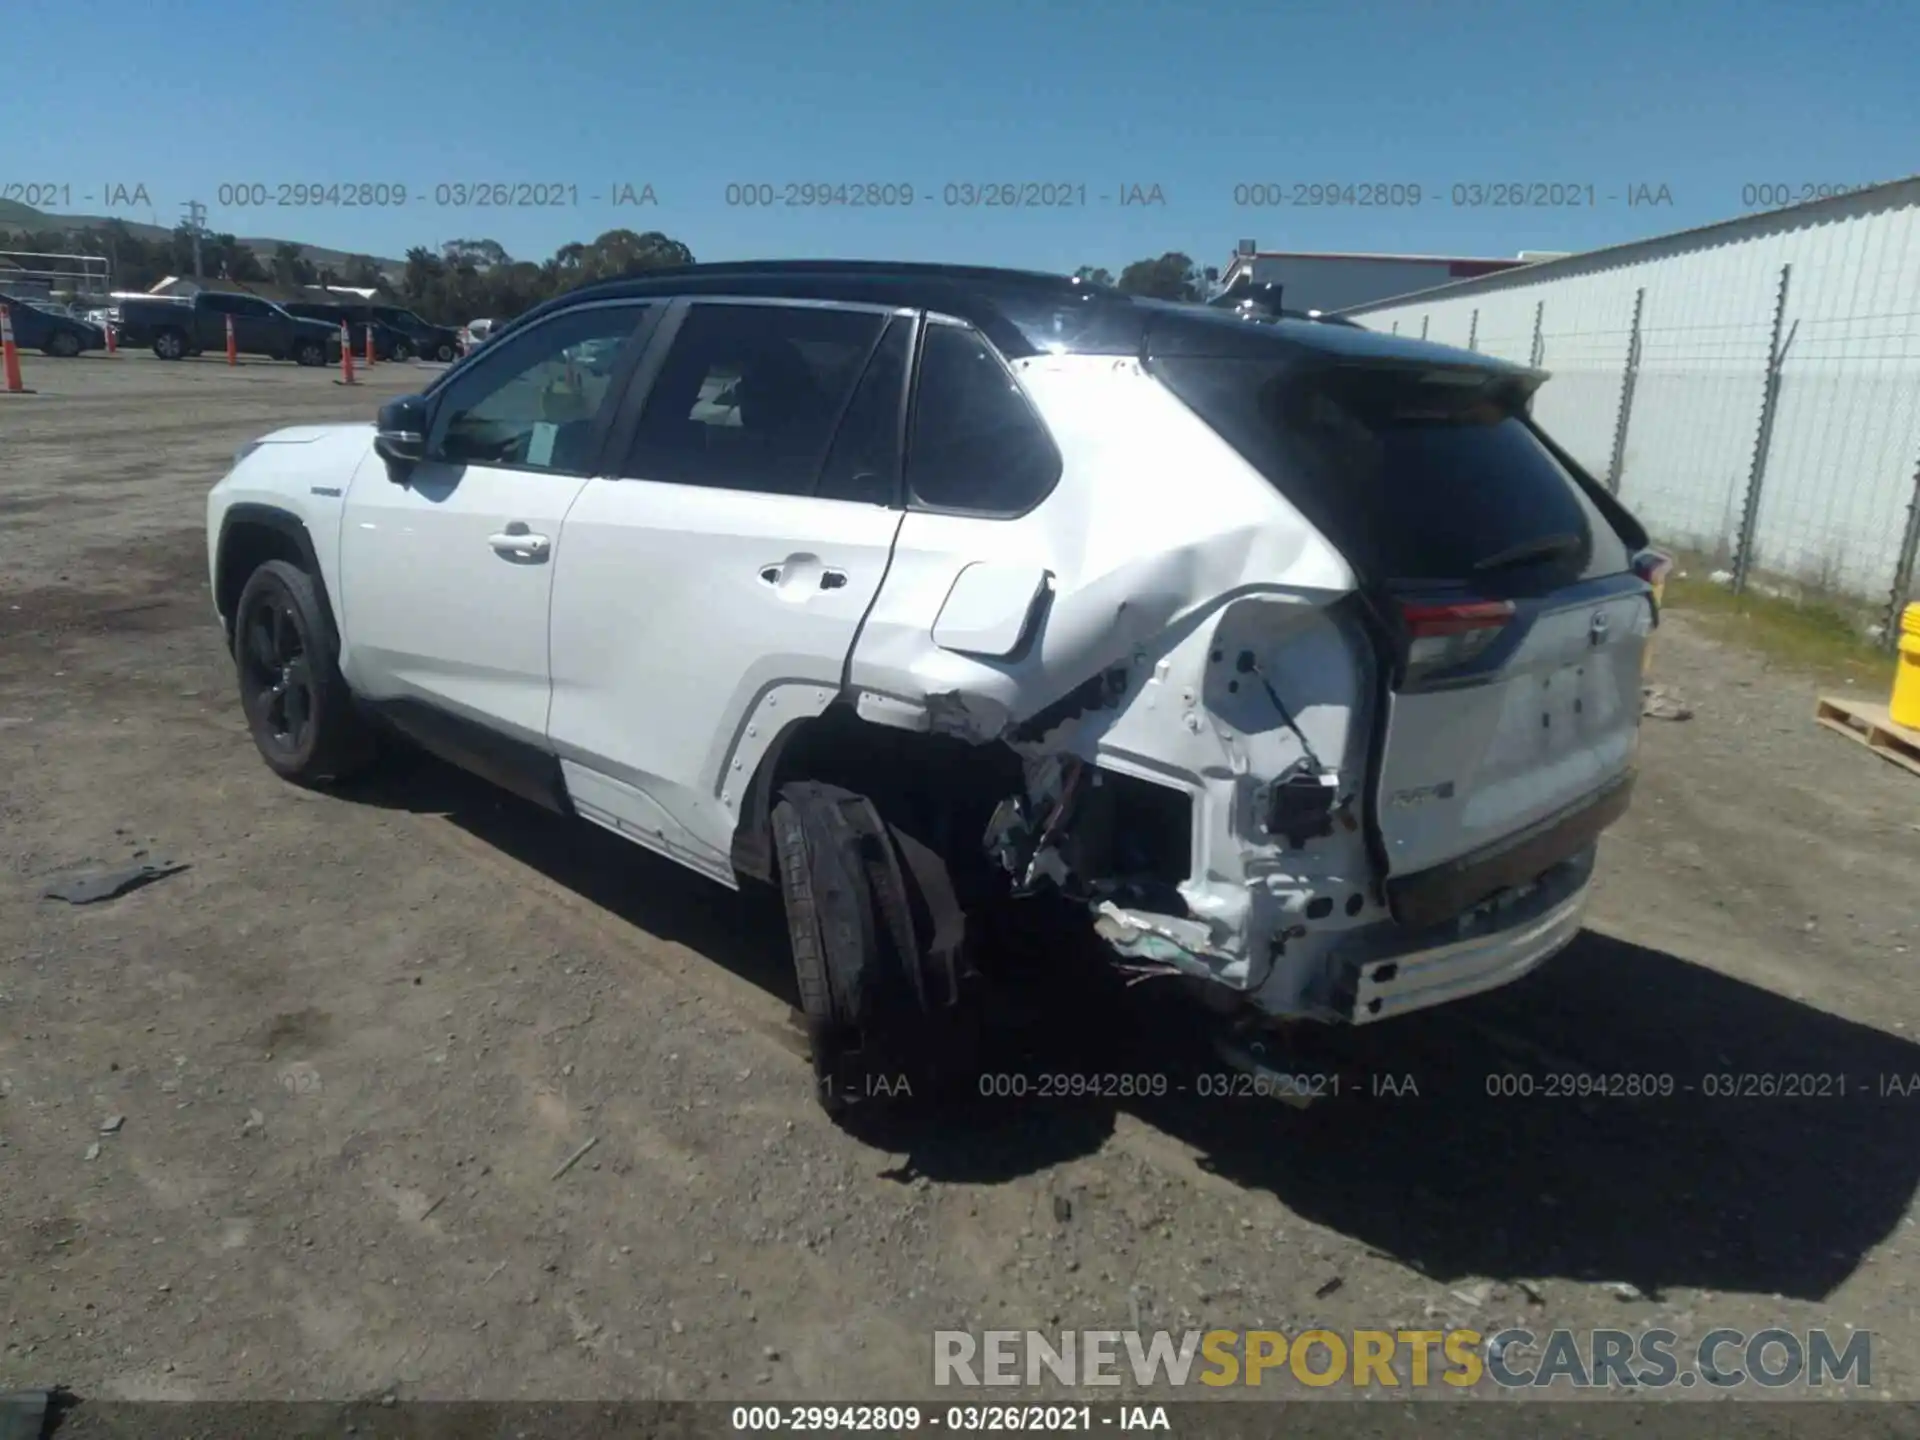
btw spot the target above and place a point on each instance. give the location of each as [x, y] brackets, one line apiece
[1703, 97]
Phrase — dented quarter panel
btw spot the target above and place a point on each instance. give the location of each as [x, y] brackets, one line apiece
[1166, 549]
[1155, 521]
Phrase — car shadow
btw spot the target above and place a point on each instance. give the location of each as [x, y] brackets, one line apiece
[1615, 1116]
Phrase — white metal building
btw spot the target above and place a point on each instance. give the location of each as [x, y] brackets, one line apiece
[1751, 389]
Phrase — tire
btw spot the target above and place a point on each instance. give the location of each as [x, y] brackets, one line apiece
[170, 345]
[63, 345]
[298, 708]
[402, 351]
[876, 1042]
[309, 354]
[444, 352]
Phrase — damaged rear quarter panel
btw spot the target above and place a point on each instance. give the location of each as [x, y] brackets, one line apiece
[1155, 521]
[1166, 551]
[1196, 720]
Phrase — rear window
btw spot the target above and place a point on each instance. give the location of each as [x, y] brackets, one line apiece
[1415, 475]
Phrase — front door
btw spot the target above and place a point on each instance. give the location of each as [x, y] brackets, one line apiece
[447, 570]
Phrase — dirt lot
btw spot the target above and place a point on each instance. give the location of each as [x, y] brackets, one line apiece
[350, 1045]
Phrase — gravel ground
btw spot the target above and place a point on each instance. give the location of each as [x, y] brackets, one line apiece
[287, 1123]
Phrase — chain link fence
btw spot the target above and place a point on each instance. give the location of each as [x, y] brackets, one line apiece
[1755, 400]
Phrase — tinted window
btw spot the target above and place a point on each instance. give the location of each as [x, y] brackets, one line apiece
[1412, 476]
[977, 445]
[750, 396]
[864, 463]
[531, 404]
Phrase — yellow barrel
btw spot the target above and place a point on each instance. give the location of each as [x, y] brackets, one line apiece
[1905, 705]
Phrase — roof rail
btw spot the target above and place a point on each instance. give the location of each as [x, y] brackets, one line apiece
[906, 269]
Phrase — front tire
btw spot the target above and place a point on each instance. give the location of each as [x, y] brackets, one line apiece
[444, 353]
[170, 345]
[298, 708]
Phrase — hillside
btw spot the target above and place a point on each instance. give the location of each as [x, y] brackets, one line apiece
[16, 218]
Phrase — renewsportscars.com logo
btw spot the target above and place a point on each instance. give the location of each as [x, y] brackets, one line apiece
[1650, 1359]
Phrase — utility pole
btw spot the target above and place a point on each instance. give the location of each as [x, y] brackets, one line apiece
[196, 225]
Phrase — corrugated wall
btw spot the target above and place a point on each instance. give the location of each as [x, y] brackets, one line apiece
[1837, 490]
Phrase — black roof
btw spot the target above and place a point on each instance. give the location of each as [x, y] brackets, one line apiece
[1024, 312]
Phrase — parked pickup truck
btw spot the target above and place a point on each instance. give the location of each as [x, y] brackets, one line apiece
[180, 327]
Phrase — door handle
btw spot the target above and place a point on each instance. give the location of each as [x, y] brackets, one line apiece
[520, 544]
[795, 569]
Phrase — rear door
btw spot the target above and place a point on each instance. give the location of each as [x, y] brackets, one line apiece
[710, 587]
[1512, 618]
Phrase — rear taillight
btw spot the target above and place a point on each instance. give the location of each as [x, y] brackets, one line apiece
[1442, 635]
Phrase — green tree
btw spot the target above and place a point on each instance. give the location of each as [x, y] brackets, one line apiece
[1173, 276]
[363, 273]
[1094, 274]
[290, 265]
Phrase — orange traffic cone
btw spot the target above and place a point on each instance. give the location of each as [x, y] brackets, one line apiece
[10, 353]
[369, 347]
[233, 349]
[346, 357]
[113, 346]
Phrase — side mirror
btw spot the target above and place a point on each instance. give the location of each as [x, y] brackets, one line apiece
[401, 435]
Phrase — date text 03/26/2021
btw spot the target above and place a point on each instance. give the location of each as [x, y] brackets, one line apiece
[446, 195]
[1504, 1085]
[949, 1419]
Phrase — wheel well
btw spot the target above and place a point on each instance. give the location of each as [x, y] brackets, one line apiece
[947, 785]
[247, 543]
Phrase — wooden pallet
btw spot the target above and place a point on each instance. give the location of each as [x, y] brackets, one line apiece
[1873, 727]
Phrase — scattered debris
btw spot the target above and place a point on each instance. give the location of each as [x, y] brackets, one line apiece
[574, 1159]
[1624, 1290]
[1327, 1287]
[1721, 577]
[1532, 1291]
[93, 1151]
[1062, 1209]
[435, 1206]
[1476, 1295]
[113, 1124]
[1660, 702]
[255, 1121]
[92, 886]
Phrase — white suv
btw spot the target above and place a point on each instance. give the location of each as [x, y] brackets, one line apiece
[1294, 655]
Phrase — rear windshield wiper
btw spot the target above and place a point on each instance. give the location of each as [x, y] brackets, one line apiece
[1541, 547]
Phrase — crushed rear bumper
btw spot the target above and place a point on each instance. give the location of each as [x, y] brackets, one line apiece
[1387, 971]
[1441, 892]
